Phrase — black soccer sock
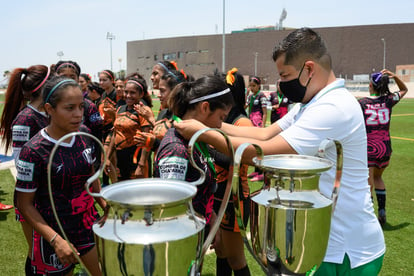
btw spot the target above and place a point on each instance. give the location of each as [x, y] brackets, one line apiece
[222, 267]
[242, 272]
[28, 267]
[381, 198]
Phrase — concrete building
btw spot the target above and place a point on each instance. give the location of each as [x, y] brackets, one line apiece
[406, 72]
[355, 50]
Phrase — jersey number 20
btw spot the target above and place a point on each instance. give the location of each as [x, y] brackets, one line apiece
[378, 116]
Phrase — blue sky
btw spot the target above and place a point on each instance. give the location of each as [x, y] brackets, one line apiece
[34, 31]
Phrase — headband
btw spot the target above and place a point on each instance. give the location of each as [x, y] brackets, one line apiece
[43, 81]
[254, 78]
[109, 74]
[168, 70]
[137, 83]
[67, 64]
[206, 97]
[57, 86]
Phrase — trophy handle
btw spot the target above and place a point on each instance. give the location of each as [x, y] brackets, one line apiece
[223, 206]
[339, 165]
[87, 185]
[236, 195]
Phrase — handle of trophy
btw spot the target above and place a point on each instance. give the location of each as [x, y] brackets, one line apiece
[339, 165]
[88, 182]
[236, 193]
[223, 206]
[191, 146]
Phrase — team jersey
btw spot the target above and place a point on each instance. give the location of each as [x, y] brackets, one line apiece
[27, 123]
[92, 118]
[283, 103]
[107, 100]
[162, 125]
[377, 115]
[127, 123]
[71, 167]
[172, 162]
[223, 173]
[256, 104]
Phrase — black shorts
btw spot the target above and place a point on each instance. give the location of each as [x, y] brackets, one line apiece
[229, 221]
[45, 261]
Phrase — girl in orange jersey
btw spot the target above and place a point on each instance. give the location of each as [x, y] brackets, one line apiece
[107, 108]
[127, 123]
[228, 244]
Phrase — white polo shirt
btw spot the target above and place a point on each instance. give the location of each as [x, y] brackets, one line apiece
[334, 113]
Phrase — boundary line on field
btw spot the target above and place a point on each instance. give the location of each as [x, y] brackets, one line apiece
[399, 115]
[402, 138]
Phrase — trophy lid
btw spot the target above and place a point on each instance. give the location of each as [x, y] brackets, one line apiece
[149, 192]
[293, 164]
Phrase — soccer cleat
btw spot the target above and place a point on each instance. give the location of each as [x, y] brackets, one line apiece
[382, 217]
[258, 177]
[253, 174]
[5, 207]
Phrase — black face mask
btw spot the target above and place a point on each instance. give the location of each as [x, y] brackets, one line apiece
[293, 89]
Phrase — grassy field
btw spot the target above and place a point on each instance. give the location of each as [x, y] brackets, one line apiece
[399, 230]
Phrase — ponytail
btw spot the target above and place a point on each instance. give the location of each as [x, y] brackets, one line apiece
[179, 99]
[24, 84]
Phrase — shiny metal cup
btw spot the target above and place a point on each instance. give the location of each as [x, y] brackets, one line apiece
[152, 228]
[289, 218]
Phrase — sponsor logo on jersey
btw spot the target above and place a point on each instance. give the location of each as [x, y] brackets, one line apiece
[87, 155]
[54, 260]
[21, 133]
[25, 170]
[59, 168]
[173, 167]
[96, 117]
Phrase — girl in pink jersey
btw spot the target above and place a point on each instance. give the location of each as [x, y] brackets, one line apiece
[20, 122]
[72, 166]
[377, 114]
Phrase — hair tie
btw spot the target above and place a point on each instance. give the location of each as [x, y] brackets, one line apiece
[174, 64]
[56, 87]
[376, 77]
[137, 83]
[206, 97]
[184, 74]
[230, 76]
[43, 81]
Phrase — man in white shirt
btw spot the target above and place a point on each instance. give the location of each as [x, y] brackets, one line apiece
[325, 109]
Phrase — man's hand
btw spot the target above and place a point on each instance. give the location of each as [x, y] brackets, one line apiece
[187, 128]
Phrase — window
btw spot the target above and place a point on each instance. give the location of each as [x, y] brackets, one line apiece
[180, 54]
[169, 56]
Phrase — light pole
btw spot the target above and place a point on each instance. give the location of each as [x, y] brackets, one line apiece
[111, 37]
[255, 63]
[120, 64]
[383, 61]
[223, 65]
[60, 54]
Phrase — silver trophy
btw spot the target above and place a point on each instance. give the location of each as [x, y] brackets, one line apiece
[151, 228]
[289, 218]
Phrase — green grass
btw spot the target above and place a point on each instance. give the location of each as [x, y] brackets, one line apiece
[399, 230]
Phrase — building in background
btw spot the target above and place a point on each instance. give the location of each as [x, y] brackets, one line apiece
[355, 51]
